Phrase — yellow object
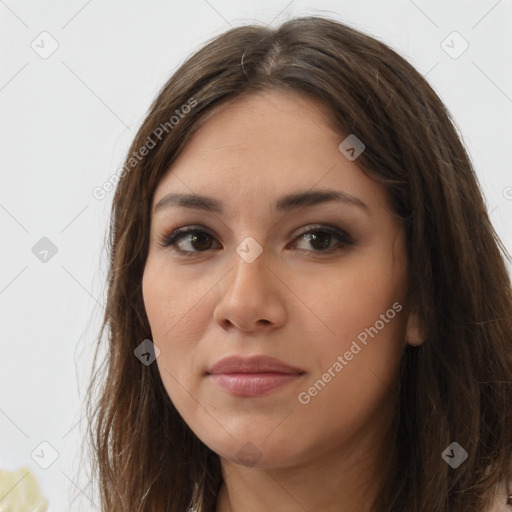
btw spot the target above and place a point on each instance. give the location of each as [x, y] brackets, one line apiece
[19, 492]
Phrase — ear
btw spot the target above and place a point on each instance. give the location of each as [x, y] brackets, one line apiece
[414, 332]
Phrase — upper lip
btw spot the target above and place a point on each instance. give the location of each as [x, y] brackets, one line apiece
[254, 364]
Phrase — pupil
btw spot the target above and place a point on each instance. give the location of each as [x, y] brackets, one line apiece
[201, 238]
[315, 237]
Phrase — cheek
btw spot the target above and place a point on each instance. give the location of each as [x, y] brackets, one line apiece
[358, 296]
[363, 322]
[175, 304]
[166, 315]
[357, 363]
[170, 298]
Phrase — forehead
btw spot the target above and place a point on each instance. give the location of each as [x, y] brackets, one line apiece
[266, 145]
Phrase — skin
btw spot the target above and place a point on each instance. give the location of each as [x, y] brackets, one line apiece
[291, 302]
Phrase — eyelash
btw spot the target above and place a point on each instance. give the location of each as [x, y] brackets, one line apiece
[171, 239]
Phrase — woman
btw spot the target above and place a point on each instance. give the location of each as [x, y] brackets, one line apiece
[251, 367]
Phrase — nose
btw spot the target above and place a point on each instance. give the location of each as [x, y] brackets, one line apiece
[251, 295]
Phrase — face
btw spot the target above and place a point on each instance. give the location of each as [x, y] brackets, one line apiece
[317, 281]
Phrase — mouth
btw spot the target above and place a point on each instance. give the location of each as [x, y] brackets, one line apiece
[253, 376]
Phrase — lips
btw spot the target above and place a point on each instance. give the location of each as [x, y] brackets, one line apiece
[254, 364]
[253, 376]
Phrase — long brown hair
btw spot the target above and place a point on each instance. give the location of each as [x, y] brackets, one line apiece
[455, 387]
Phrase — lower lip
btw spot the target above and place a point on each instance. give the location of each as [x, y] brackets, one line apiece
[253, 384]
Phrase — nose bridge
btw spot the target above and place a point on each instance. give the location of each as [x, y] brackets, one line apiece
[249, 260]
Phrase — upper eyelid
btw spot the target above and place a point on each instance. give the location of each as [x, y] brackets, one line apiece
[304, 229]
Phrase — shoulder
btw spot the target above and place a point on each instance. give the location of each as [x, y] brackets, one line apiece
[501, 497]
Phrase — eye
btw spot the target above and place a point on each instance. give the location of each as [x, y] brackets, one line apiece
[199, 239]
[320, 237]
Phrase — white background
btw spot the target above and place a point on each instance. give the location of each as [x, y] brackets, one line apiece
[66, 124]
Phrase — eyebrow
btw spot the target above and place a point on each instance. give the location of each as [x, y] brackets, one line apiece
[283, 204]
